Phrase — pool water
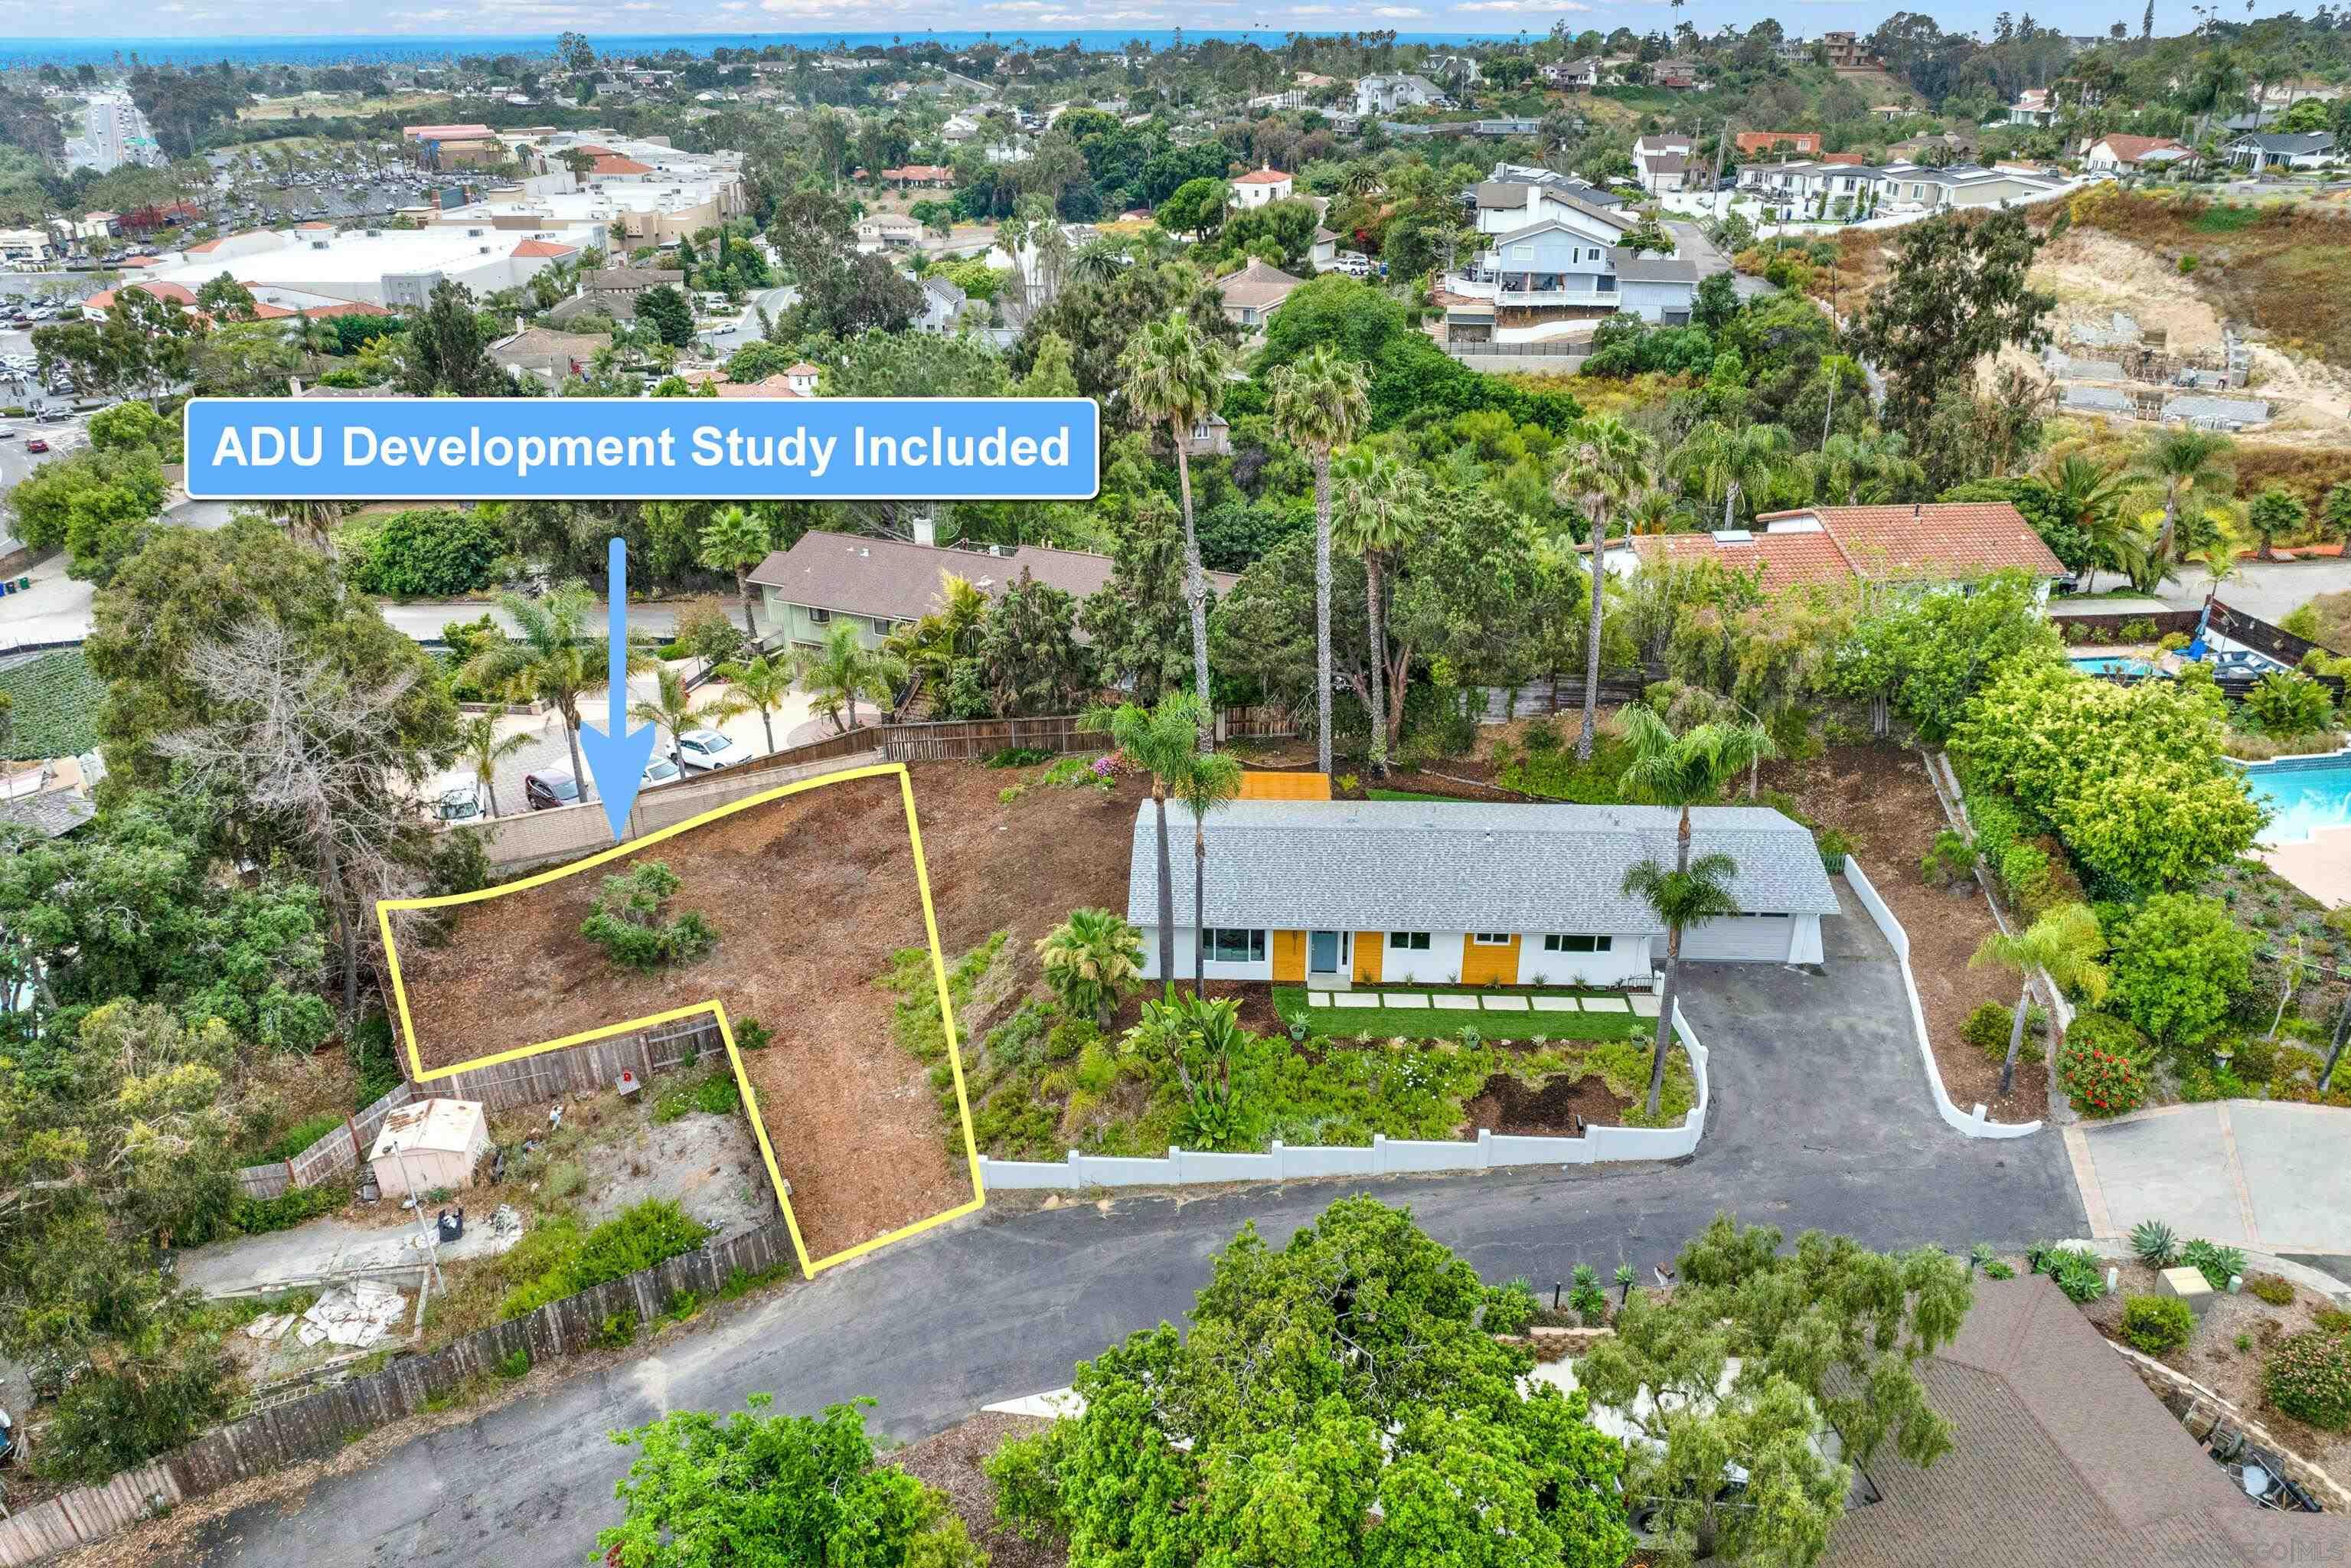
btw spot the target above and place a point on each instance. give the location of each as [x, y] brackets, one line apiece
[2111, 665]
[2302, 794]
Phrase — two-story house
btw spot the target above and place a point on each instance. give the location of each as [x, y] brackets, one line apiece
[1387, 94]
[1553, 271]
[1661, 163]
[1262, 187]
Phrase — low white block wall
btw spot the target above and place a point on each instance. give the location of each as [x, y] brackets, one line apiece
[1386, 1156]
[1976, 1125]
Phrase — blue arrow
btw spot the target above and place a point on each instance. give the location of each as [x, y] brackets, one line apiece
[616, 755]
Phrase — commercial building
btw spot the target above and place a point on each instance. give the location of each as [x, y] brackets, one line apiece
[309, 270]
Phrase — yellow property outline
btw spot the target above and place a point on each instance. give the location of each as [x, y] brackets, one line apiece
[808, 1267]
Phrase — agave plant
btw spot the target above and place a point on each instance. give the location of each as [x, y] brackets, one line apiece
[1586, 1296]
[1980, 1256]
[2217, 1263]
[2155, 1244]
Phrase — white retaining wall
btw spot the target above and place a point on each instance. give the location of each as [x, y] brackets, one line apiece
[1386, 1156]
[1976, 1125]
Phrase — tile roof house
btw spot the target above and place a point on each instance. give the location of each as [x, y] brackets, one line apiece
[1254, 293]
[2119, 153]
[1260, 187]
[1943, 541]
[549, 355]
[2061, 1458]
[1471, 892]
[1806, 142]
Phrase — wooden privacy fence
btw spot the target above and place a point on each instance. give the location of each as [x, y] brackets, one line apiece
[975, 740]
[527, 1081]
[319, 1423]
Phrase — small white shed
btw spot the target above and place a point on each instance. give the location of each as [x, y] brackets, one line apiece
[431, 1144]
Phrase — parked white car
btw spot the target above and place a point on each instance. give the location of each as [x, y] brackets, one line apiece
[706, 750]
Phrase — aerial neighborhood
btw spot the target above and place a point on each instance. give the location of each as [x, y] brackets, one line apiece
[1650, 864]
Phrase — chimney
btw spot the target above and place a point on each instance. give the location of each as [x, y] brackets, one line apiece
[1917, 511]
[926, 530]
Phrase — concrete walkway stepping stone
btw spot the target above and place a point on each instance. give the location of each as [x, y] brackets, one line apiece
[1405, 998]
[1354, 999]
[1505, 1004]
[1318, 999]
[1554, 1004]
[1645, 1004]
[1457, 1004]
[1605, 1004]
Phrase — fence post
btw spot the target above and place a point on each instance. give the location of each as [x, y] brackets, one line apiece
[358, 1154]
[290, 1182]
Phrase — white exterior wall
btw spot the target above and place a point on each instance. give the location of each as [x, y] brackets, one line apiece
[1184, 946]
[1627, 961]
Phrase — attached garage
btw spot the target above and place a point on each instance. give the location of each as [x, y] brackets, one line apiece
[1753, 937]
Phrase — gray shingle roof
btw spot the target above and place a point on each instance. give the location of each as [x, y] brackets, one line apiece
[1461, 865]
[1650, 268]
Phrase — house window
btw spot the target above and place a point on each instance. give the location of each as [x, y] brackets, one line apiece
[1408, 941]
[1568, 942]
[819, 617]
[1489, 938]
[881, 625]
[1608, 283]
[1233, 945]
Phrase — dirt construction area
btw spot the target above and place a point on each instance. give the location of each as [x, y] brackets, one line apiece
[810, 896]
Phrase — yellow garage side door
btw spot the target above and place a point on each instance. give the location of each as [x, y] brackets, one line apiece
[1288, 956]
[1369, 947]
[1484, 963]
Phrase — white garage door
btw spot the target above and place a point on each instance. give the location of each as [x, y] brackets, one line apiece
[1749, 937]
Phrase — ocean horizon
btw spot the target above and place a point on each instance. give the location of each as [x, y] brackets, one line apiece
[397, 49]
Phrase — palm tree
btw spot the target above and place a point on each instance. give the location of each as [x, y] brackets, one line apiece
[479, 744]
[673, 710]
[1694, 891]
[1606, 466]
[1174, 378]
[2185, 462]
[1209, 780]
[2089, 497]
[1717, 460]
[313, 523]
[2218, 552]
[1162, 740]
[1379, 510]
[735, 540]
[1320, 403]
[1092, 959]
[2140, 555]
[843, 669]
[1683, 770]
[1098, 261]
[554, 660]
[760, 684]
[2067, 944]
[1870, 468]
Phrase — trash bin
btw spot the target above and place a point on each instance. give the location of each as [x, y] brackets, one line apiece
[453, 1226]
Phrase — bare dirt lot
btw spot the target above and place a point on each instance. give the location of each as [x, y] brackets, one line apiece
[1879, 797]
[810, 896]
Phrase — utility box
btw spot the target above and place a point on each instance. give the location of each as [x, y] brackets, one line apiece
[2188, 1285]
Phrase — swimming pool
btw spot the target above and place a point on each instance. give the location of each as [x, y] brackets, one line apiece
[2111, 665]
[2303, 793]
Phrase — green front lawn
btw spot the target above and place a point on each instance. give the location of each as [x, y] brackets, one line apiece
[1446, 1023]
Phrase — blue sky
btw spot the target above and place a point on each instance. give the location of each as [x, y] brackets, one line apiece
[92, 19]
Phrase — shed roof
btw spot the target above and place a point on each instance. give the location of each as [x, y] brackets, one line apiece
[1446, 865]
[429, 1125]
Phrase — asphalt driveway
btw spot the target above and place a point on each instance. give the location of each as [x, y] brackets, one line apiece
[1821, 1118]
[2263, 1175]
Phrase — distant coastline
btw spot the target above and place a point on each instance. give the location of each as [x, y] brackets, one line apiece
[398, 49]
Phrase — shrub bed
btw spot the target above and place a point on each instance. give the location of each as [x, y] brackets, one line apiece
[2158, 1324]
[2308, 1377]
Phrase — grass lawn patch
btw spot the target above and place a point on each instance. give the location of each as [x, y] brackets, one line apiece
[1433, 1023]
[54, 701]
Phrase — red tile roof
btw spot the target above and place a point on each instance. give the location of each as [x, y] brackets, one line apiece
[1263, 177]
[612, 164]
[1942, 539]
[2131, 149]
[104, 298]
[545, 248]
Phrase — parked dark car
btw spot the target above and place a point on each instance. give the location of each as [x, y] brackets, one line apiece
[553, 787]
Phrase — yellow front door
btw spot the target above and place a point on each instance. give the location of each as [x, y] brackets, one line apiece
[1489, 963]
[1288, 956]
[1369, 945]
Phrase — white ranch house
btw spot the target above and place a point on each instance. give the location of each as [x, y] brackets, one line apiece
[1341, 892]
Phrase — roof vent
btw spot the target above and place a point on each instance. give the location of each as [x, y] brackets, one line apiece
[1733, 536]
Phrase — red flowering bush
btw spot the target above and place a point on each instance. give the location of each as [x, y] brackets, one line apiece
[2102, 1083]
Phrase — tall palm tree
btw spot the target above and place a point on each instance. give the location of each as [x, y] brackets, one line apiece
[1174, 378]
[1683, 770]
[2067, 944]
[1718, 462]
[673, 710]
[841, 669]
[313, 523]
[1378, 511]
[2140, 555]
[1162, 740]
[760, 684]
[1694, 891]
[1098, 261]
[554, 660]
[1209, 780]
[2089, 497]
[1869, 468]
[1608, 463]
[479, 744]
[1320, 403]
[2186, 462]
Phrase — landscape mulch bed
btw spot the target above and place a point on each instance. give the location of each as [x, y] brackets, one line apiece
[1508, 1105]
[1879, 797]
[810, 896]
[950, 1461]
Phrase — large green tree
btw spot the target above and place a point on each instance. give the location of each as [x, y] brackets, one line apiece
[1958, 293]
[1336, 1400]
[1318, 403]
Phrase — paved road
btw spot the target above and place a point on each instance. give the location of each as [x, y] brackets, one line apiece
[775, 300]
[1821, 1119]
[2267, 1177]
[1695, 246]
[2269, 589]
